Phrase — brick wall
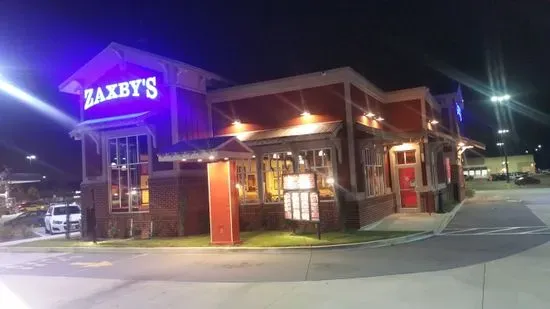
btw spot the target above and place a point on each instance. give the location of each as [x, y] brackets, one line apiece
[272, 217]
[163, 206]
[375, 209]
[178, 206]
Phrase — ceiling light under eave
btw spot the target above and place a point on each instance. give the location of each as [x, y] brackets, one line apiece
[434, 122]
[306, 114]
[237, 122]
[369, 114]
[461, 144]
[379, 118]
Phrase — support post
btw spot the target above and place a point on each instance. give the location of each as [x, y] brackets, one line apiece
[223, 203]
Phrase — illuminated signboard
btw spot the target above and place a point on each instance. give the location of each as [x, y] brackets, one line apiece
[458, 112]
[301, 199]
[304, 181]
[133, 88]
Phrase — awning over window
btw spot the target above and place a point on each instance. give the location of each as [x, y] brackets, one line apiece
[304, 132]
[206, 150]
[109, 123]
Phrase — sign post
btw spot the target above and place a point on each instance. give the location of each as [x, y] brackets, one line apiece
[301, 198]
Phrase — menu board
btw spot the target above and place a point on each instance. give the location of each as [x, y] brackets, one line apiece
[314, 203]
[304, 205]
[296, 205]
[301, 198]
[302, 181]
[288, 205]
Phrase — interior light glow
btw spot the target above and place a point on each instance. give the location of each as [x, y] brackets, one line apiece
[330, 181]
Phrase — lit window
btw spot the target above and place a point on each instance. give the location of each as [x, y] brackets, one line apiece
[319, 161]
[275, 165]
[406, 157]
[246, 181]
[129, 174]
[373, 159]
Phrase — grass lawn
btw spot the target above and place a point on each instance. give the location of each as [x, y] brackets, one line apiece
[250, 239]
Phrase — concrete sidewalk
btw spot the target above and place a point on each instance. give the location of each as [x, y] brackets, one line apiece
[518, 281]
[425, 222]
[26, 240]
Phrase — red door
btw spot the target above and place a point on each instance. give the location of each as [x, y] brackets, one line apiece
[407, 184]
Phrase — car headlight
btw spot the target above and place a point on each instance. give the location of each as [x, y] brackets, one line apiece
[57, 222]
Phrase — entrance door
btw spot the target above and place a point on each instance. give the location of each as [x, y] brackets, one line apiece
[406, 175]
[407, 185]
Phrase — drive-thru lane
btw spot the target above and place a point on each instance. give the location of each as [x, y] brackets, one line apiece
[502, 228]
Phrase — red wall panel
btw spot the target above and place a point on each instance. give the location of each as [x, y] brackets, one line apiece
[405, 116]
[324, 103]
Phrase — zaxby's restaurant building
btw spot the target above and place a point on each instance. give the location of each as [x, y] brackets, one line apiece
[153, 131]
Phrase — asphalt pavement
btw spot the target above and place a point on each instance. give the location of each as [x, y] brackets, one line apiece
[502, 228]
[477, 223]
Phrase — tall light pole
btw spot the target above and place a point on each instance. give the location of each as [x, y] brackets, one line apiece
[501, 144]
[30, 158]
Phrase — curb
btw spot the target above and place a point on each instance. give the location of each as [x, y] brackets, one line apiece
[447, 220]
[191, 250]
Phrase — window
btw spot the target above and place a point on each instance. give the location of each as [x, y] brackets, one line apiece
[274, 166]
[247, 181]
[129, 173]
[63, 210]
[373, 159]
[319, 161]
[406, 157]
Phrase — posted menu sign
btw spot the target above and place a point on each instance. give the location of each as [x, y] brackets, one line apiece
[301, 198]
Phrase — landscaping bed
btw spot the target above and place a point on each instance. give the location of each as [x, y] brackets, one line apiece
[249, 239]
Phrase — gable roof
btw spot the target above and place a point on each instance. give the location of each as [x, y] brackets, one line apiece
[116, 53]
[207, 149]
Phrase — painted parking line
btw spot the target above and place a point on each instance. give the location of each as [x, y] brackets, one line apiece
[487, 231]
[499, 230]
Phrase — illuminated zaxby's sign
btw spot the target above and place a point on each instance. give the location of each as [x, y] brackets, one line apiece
[133, 88]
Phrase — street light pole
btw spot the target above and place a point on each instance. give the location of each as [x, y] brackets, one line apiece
[30, 158]
[501, 144]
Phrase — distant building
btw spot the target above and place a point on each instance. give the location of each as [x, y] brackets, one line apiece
[482, 167]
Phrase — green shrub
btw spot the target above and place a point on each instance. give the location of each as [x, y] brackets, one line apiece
[470, 192]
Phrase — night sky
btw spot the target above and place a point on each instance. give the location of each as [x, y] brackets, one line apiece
[488, 46]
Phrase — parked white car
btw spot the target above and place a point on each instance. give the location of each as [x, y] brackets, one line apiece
[55, 220]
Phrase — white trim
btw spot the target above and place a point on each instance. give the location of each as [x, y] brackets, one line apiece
[394, 170]
[209, 202]
[350, 139]
[405, 94]
[293, 83]
[204, 155]
[110, 57]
